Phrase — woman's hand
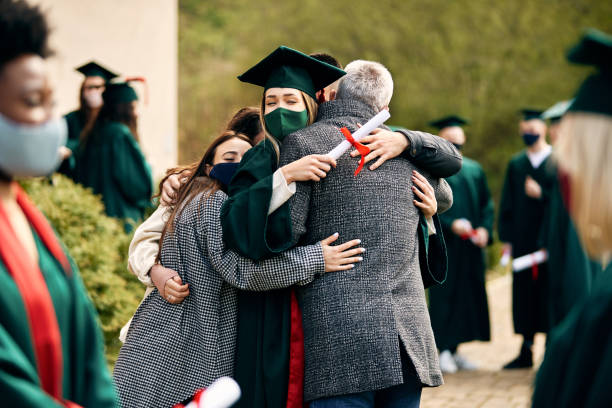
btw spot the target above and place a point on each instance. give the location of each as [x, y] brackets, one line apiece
[169, 284]
[309, 168]
[172, 185]
[340, 257]
[425, 192]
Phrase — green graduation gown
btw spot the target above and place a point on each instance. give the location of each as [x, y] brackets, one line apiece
[86, 380]
[577, 366]
[458, 308]
[264, 318]
[75, 121]
[570, 271]
[112, 164]
[520, 221]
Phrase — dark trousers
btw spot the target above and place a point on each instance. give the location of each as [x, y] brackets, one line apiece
[406, 395]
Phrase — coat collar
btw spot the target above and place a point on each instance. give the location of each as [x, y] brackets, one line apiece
[341, 107]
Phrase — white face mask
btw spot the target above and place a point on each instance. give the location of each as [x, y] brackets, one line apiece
[93, 99]
[31, 150]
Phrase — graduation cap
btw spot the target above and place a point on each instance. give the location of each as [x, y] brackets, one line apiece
[447, 121]
[595, 48]
[119, 92]
[289, 68]
[530, 113]
[555, 112]
[94, 69]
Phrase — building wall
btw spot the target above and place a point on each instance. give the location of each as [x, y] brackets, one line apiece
[130, 37]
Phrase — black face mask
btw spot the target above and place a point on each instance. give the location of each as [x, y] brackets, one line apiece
[223, 172]
[530, 138]
[458, 146]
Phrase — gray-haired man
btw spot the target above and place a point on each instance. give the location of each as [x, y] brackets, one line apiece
[367, 334]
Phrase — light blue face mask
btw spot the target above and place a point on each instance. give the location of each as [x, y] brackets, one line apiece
[31, 150]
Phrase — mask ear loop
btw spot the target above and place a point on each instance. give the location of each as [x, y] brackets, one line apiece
[146, 86]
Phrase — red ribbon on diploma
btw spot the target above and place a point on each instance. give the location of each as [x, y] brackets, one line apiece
[472, 234]
[534, 269]
[363, 150]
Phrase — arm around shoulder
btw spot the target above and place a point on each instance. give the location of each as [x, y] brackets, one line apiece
[432, 153]
[145, 245]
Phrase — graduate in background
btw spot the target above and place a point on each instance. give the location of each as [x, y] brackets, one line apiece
[577, 366]
[90, 103]
[521, 213]
[109, 159]
[571, 272]
[51, 348]
[458, 308]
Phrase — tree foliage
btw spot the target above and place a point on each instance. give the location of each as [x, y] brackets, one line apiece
[479, 58]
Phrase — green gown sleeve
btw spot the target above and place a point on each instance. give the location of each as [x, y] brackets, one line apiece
[505, 220]
[19, 384]
[486, 206]
[94, 384]
[130, 170]
[247, 227]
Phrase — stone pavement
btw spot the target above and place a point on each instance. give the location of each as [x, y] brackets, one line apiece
[490, 387]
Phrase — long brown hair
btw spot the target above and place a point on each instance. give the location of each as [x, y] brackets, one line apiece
[123, 112]
[88, 114]
[197, 183]
[245, 121]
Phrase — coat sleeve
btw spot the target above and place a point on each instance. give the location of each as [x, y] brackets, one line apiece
[145, 245]
[95, 386]
[130, 170]
[296, 266]
[444, 194]
[432, 153]
[506, 216]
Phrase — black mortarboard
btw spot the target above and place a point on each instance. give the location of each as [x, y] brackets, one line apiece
[288, 68]
[447, 121]
[529, 114]
[94, 69]
[594, 95]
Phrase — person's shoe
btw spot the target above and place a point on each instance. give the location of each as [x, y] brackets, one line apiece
[447, 362]
[463, 363]
[524, 360]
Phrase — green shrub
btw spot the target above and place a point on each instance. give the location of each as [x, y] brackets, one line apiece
[99, 246]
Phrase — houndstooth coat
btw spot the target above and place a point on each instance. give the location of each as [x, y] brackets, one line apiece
[173, 350]
[353, 321]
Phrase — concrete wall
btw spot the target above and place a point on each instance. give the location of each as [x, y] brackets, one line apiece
[130, 37]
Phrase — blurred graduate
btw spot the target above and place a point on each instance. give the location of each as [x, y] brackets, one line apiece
[458, 308]
[521, 214]
[571, 272]
[577, 366]
[51, 349]
[90, 103]
[109, 159]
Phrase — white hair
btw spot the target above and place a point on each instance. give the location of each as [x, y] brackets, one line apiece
[367, 81]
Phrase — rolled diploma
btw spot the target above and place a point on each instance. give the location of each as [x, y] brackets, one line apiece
[380, 118]
[527, 261]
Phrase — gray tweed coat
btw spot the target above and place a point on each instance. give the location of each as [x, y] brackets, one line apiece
[173, 350]
[353, 321]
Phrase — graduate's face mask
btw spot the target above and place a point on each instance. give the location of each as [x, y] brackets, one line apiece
[530, 138]
[282, 122]
[31, 150]
[93, 99]
[223, 172]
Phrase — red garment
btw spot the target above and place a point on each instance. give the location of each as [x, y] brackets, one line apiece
[31, 284]
[295, 392]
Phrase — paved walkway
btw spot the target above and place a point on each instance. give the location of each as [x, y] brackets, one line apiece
[490, 387]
